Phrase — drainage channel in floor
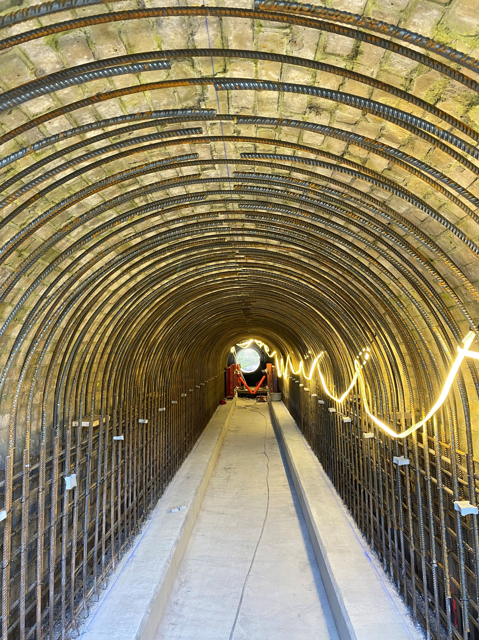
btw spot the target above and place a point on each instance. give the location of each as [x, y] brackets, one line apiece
[249, 572]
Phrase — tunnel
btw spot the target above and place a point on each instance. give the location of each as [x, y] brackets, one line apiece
[183, 180]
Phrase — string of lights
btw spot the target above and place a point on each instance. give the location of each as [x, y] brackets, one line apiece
[358, 377]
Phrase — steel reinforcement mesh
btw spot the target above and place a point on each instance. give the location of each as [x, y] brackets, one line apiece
[74, 537]
[175, 179]
[405, 512]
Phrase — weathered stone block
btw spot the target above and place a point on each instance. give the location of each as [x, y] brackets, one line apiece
[73, 48]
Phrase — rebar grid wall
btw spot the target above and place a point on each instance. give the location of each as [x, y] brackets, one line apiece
[175, 179]
[405, 512]
[122, 460]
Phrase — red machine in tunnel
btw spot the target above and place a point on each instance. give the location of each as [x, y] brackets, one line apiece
[234, 380]
[231, 379]
[272, 378]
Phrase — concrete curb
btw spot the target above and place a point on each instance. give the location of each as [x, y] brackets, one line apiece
[134, 603]
[363, 604]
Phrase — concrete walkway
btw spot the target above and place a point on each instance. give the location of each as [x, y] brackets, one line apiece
[249, 572]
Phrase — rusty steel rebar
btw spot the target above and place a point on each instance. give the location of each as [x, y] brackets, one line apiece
[123, 294]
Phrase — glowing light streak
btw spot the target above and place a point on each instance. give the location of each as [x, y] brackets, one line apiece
[462, 353]
[358, 377]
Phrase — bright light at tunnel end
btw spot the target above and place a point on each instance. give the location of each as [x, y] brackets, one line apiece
[282, 372]
[249, 359]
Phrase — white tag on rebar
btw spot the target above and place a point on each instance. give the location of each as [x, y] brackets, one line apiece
[3, 515]
[401, 461]
[465, 507]
[176, 509]
[118, 438]
[142, 421]
[70, 482]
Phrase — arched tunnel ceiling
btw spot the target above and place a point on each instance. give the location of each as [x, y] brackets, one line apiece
[176, 177]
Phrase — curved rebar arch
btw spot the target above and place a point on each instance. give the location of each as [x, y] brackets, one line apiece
[156, 211]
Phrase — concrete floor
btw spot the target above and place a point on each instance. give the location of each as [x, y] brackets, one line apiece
[249, 572]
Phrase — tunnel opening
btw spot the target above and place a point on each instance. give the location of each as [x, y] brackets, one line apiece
[249, 360]
[250, 370]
